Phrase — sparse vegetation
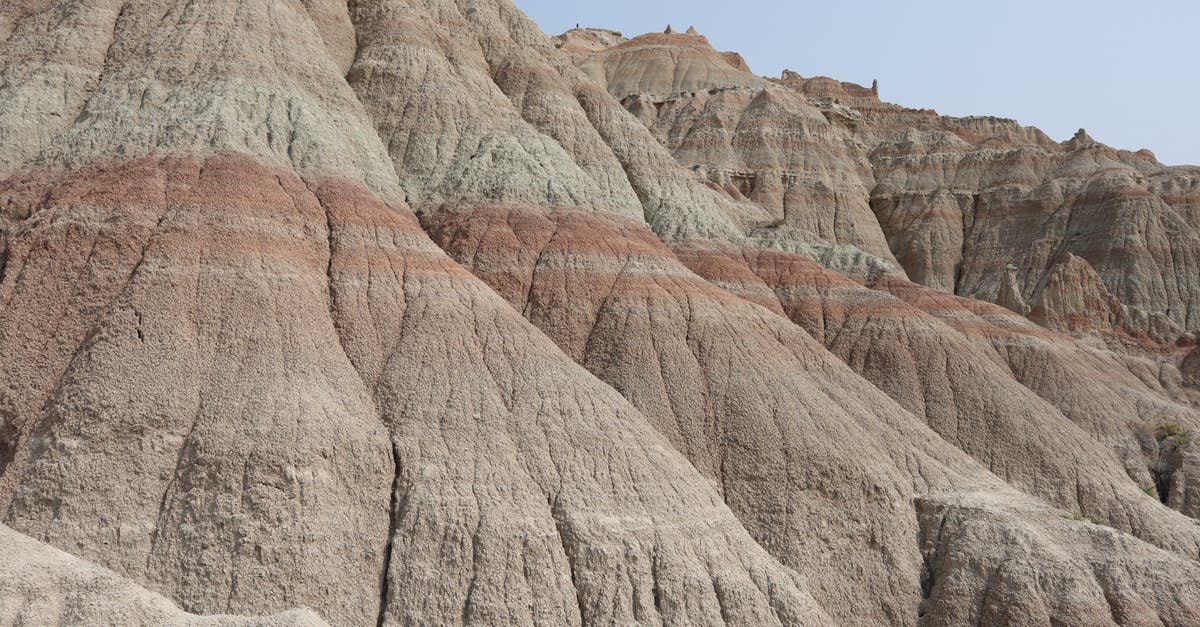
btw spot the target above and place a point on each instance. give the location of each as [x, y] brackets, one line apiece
[1150, 491]
[1178, 436]
[1168, 429]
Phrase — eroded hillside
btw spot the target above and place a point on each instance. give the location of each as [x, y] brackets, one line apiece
[391, 311]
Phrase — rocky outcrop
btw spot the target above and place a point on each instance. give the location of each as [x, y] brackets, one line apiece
[966, 392]
[1009, 296]
[1118, 399]
[954, 200]
[585, 40]
[658, 64]
[124, 362]
[769, 146]
[614, 299]
[1034, 206]
[588, 279]
[1190, 369]
[389, 311]
[674, 339]
[1075, 299]
[937, 364]
[745, 136]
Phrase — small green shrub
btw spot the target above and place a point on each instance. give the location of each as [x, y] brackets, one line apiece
[1150, 491]
[1178, 436]
[1168, 429]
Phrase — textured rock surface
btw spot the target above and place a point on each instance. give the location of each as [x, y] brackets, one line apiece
[1189, 368]
[983, 388]
[742, 411]
[975, 541]
[41, 585]
[1075, 299]
[387, 310]
[747, 137]
[320, 408]
[661, 64]
[674, 360]
[1029, 206]
[1121, 400]
[143, 348]
[957, 200]
[239, 509]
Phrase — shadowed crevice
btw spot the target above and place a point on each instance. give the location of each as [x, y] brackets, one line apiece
[564, 531]
[395, 510]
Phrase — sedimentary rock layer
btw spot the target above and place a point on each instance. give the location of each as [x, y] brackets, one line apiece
[261, 294]
[688, 356]
[388, 311]
[255, 336]
[957, 200]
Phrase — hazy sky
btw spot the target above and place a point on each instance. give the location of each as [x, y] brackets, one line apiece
[1126, 71]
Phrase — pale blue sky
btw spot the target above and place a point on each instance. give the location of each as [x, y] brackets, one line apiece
[1125, 71]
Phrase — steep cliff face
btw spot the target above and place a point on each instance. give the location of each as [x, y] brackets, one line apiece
[1029, 206]
[954, 201]
[744, 136]
[386, 310]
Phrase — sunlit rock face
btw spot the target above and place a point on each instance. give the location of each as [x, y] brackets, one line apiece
[401, 312]
[954, 201]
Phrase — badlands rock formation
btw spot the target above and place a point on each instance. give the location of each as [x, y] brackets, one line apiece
[41, 585]
[388, 313]
[954, 200]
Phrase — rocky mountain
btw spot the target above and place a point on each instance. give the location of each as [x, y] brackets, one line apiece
[954, 201]
[402, 312]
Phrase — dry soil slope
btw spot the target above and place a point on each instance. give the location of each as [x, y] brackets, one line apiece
[967, 378]
[41, 585]
[726, 381]
[1127, 402]
[1070, 295]
[213, 285]
[742, 392]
